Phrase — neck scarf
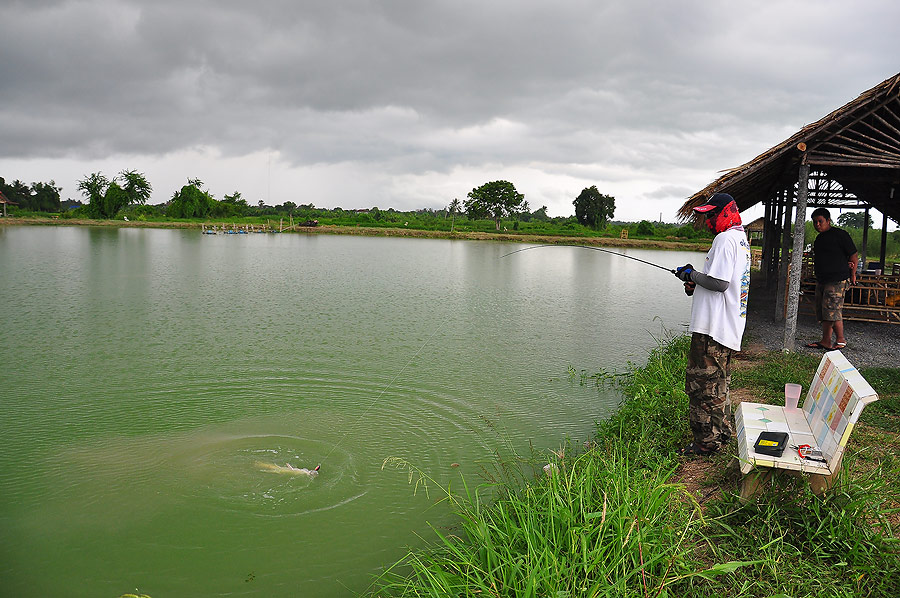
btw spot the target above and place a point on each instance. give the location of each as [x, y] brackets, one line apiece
[727, 217]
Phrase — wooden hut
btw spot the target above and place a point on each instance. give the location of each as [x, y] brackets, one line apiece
[849, 159]
[5, 201]
[755, 231]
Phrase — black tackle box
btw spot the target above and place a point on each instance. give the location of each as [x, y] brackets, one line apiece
[771, 443]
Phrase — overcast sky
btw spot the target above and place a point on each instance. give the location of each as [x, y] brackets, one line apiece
[412, 103]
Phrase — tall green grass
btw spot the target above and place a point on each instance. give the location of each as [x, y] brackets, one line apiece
[600, 525]
[614, 521]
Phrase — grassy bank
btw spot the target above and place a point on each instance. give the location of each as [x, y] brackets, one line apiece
[626, 517]
[387, 231]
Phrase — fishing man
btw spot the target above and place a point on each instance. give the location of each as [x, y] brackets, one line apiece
[718, 318]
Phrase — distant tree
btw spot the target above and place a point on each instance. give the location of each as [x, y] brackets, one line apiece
[497, 199]
[686, 231]
[234, 198]
[232, 205]
[45, 197]
[540, 214]
[135, 185]
[40, 197]
[17, 191]
[70, 204]
[94, 187]
[455, 207]
[113, 200]
[106, 197]
[191, 202]
[593, 209]
[853, 220]
[645, 229]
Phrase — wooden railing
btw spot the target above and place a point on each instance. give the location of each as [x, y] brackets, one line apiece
[874, 298]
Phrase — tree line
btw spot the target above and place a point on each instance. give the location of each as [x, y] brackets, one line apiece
[127, 194]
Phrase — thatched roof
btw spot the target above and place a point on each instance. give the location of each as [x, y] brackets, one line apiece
[757, 226]
[853, 153]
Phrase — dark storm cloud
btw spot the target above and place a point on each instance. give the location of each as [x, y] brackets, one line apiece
[413, 87]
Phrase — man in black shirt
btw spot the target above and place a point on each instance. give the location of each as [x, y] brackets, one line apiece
[835, 264]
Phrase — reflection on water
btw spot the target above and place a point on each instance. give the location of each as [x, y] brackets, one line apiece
[147, 372]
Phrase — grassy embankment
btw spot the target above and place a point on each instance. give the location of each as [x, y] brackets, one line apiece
[411, 224]
[628, 518]
[524, 236]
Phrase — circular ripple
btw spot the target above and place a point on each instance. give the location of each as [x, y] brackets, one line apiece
[251, 474]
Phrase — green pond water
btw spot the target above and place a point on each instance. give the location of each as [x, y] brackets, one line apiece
[150, 377]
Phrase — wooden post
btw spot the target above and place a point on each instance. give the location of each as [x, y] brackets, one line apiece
[865, 240]
[793, 296]
[778, 210]
[783, 263]
[883, 254]
[767, 240]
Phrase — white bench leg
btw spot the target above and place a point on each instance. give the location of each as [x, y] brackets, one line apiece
[753, 483]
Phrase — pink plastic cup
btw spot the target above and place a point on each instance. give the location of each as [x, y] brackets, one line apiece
[792, 395]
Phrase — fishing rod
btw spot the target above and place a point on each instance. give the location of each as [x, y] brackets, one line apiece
[637, 259]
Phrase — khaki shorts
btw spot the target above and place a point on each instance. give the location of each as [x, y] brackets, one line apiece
[830, 300]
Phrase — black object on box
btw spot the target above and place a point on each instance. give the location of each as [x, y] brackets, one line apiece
[771, 443]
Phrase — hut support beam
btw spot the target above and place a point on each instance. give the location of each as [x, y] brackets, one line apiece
[783, 263]
[865, 239]
[767, 239]
[884, 237]
[793, 295]
[774, 269]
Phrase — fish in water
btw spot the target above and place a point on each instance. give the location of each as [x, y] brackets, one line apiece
[288, 469]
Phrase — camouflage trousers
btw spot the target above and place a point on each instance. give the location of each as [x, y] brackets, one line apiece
[830, 300]
[706, 383]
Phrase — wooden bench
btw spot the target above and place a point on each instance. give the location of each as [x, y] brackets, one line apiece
[834, 401]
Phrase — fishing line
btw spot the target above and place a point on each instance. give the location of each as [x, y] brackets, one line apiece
[381, 394]
[637, 259]
[440, 327]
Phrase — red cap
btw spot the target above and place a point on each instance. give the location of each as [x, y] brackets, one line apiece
[716, 202]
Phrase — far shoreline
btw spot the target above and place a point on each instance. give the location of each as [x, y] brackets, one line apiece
[384, 232]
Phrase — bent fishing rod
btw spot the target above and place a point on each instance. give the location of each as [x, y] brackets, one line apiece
[637, 259]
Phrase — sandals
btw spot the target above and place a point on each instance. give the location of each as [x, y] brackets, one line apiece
[818, 345]
[694, 450]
